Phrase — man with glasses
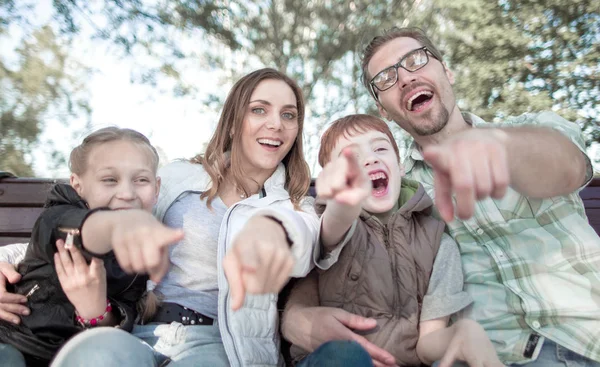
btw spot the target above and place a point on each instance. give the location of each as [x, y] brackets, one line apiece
[530, 258]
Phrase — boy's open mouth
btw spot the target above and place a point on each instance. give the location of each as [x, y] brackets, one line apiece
[379, 180]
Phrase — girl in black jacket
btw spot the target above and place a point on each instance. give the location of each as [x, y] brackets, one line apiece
[68, 288]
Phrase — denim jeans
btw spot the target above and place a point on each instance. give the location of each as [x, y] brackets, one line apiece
[147, 345]
[551, 355]
[338, 353]
[11, 356]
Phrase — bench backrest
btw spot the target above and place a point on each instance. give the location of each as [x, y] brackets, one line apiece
[22, 199]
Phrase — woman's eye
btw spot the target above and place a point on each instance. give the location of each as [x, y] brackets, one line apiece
[109, 180]
[380, 149]
[258, 110]
[288, 116]
[144, 180]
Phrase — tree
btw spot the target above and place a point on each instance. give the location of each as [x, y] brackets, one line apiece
[40, 82]
[513, 57]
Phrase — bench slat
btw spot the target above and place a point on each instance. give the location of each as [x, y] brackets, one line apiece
[23, 193]
[17, 221]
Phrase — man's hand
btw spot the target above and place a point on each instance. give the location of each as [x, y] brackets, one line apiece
[470, 344]
[310, 327]
[11, 305]
[344, 180]
[259, 261]
[83, 284]
[141, 243]
[473, 165]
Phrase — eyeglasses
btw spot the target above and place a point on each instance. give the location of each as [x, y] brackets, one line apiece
[411, 62]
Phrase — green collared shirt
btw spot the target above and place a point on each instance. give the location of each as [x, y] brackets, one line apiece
[531, 265]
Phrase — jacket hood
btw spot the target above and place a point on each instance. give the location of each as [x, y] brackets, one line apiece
[62, 194]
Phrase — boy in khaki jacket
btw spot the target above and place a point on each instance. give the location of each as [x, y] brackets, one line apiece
[387, 257]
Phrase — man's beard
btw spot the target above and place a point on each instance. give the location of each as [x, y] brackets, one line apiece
[439, 121]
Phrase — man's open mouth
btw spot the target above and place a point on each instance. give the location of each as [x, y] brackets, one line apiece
[419, 100]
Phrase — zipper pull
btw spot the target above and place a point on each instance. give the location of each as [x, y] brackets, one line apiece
[32, 291]
[71, 233]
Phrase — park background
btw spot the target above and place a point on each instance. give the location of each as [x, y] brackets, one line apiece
[164, 68]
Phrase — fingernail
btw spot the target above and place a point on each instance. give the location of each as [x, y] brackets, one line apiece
[15, 321]
[25, 312]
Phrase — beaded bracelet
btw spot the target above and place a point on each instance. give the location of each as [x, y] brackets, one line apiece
[93, 322]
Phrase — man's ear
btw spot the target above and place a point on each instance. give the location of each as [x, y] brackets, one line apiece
[382, 111]
[76, 183]
[449, 73]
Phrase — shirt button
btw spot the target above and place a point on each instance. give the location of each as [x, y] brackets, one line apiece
[479, 231]
[354, 277]
[536, 324]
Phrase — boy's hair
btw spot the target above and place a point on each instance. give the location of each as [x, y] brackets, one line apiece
[352, 125]
[78, 160]
[387, 36]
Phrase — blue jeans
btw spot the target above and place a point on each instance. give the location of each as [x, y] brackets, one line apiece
[338, 353]
[551, 355]
[147, 345]
[11, 356]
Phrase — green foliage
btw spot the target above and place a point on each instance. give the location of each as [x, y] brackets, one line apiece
[36, 84]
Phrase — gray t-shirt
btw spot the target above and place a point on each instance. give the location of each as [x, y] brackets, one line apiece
[192, 278]
[445, 294]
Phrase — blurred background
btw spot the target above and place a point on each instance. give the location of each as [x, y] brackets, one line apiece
[164, 67]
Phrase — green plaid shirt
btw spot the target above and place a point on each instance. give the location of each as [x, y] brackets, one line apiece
[531, 265]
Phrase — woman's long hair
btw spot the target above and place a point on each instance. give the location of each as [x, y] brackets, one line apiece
[216, 161]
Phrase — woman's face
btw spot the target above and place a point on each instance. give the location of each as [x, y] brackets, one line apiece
[269, 128]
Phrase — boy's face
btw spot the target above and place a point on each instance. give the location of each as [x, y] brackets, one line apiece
[120, 175]
[375, 153]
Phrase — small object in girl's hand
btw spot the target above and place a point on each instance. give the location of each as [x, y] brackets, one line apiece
[71, 233]
[32, 291]
[69, 241]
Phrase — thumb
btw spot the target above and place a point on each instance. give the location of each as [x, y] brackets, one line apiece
[434, 155]
[162, 268]
[233, 272]
[170, 236]
[96, 266]
[353, 321]
[9, 273]
[449, 357]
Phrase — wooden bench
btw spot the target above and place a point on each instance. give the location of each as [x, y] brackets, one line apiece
[21, 201]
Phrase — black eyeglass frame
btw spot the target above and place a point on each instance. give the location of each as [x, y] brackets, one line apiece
[399, 65]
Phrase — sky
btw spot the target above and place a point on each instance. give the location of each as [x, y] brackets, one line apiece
[179, 126]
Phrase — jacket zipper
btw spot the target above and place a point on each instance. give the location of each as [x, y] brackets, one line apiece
[71, 233]
[386, 240]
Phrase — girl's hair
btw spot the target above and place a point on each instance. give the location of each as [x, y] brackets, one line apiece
[217, 161]
[147, 306]
[352, 125]
[78, 160]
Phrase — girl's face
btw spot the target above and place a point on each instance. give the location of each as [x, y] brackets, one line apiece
[269, 128]
[120, 175]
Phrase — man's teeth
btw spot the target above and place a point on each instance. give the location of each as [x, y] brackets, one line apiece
[274, 143]
[377, 176]
[415, 96]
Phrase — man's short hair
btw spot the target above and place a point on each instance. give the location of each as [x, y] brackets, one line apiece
[388, 35]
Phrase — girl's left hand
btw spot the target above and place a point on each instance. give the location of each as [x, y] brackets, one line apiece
[84, 285]
[260, 260]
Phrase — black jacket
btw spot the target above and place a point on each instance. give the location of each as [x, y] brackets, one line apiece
[52, 319]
